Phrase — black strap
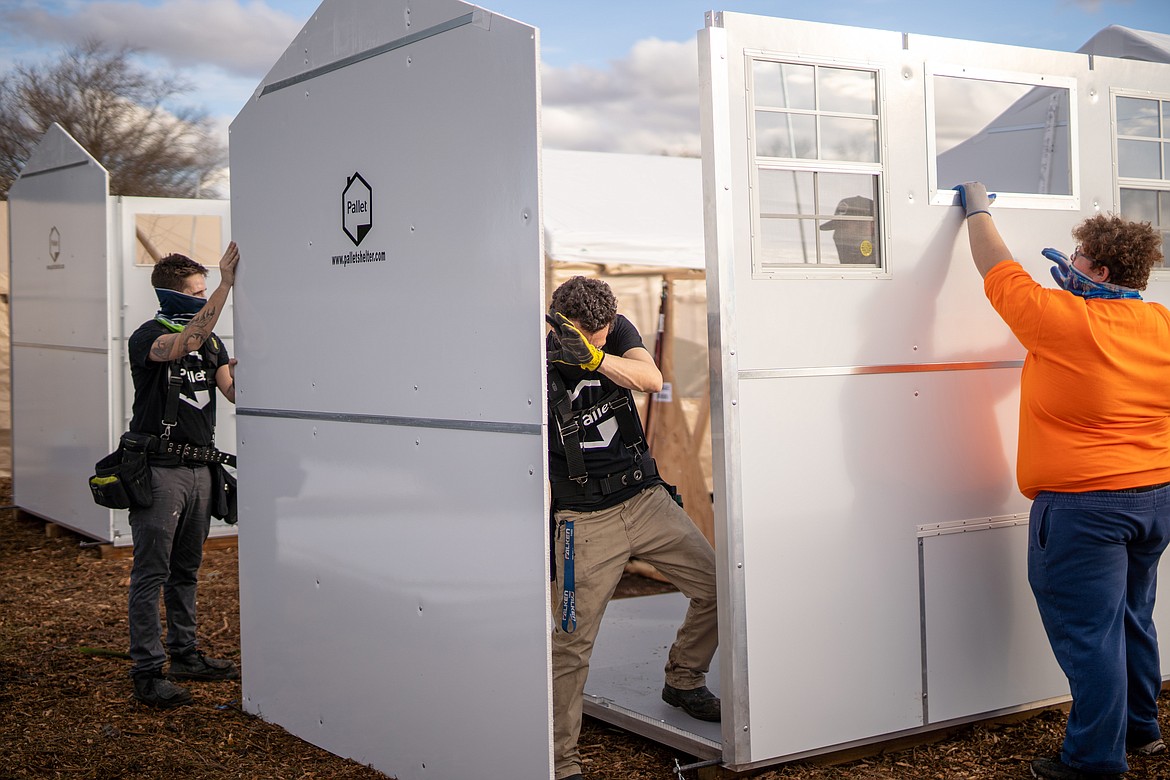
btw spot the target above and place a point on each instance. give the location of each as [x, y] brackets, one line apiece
[190, 453]
[567, 424]
[642, 472]
[170, 417]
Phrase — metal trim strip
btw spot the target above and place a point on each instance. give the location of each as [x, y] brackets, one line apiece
[345, 62]
[54, 169]
[62, 347]
[482, 426]
[899, 368]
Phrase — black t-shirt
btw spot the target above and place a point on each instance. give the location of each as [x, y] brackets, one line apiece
[196, 407]
[601, 443]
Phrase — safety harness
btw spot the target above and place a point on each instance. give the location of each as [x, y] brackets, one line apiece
[570, 425]
[187, 453]
[579, 485]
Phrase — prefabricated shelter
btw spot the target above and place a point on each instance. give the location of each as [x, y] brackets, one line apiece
[80, 285]
[866, 395]
[387, 185]
[5, 352]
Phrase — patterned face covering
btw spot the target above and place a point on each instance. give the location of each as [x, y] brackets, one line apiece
[1076, 282]
[176, 307]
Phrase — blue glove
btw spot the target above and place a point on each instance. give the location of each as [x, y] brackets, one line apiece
[1062, 272]
[974, 198]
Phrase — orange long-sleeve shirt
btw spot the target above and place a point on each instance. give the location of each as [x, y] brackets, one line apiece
[1095, 389]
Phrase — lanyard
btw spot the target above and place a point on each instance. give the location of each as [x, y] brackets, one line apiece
[569, 594]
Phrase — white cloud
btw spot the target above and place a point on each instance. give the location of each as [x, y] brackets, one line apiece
[646, 102]
[241, 38]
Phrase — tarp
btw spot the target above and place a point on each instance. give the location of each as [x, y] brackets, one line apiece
[627, 209]
[1127, 43]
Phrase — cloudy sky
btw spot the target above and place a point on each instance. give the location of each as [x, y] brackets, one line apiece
[617, 76]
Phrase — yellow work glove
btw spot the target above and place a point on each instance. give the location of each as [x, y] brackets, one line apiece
[574, 348]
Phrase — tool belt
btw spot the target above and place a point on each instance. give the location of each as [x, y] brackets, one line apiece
[594, 488]
[192, 454]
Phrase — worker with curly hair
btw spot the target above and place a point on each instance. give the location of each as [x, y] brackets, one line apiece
[610, 506]
[1094, 457]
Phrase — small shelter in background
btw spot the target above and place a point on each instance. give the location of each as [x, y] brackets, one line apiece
[80, 265]
[5, 352]
[636, 221]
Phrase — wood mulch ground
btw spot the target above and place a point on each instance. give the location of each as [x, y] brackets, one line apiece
[66, 710]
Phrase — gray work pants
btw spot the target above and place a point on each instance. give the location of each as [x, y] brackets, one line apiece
[168, 550]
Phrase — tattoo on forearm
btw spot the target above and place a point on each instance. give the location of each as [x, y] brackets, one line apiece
[161, 350]
[207, 313]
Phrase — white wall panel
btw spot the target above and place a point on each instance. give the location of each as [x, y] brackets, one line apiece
[389, 573]
[393, 559]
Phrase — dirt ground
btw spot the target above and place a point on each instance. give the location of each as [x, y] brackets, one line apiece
[66, 710]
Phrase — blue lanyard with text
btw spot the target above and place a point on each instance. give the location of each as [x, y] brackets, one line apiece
[569, 594]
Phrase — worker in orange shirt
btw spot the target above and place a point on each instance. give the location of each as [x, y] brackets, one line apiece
[1094, 457]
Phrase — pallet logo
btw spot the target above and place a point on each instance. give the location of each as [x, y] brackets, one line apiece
[54, 249]
[356, 208]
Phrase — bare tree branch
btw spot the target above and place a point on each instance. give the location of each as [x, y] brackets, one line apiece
[121, 114]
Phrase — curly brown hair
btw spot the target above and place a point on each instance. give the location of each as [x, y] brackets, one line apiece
[1128, 249]
[171, 272]
[587, 301]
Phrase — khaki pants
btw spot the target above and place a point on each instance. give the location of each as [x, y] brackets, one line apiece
[650, 527]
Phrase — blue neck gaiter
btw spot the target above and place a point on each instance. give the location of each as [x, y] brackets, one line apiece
[1074, 280]
[176, 308]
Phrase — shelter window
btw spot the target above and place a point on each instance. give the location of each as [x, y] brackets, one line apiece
[817, 167]
[198, 236]
[1142, 127]
[1014, 136]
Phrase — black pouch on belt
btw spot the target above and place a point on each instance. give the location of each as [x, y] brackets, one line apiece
[223, 491]
[121, 480]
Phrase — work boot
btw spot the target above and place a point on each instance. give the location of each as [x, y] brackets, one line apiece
[196, 666]
[154, 690]
[1055, 769]
[1155, 748]
[699, 702]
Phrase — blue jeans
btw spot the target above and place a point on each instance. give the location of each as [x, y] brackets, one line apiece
[1093, 567]
[168, 550]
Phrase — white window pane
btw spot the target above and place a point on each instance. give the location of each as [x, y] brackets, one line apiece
[850, 236]
[1136, 116]
[837, 191]
[850, 243]
[787, 241]
[786, 135]
[855, 140]
[782, 85]
[1163, 210]
[1139, 159]
[1013, 137]
[1166, 119]
[1139, 205]
[847, 91]
[786, 192]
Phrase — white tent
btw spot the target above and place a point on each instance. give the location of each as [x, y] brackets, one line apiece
[1126, 43]
[628, 209]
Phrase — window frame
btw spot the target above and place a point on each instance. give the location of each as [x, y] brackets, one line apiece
[1162, 185]
[946, 196]
[756, 163]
